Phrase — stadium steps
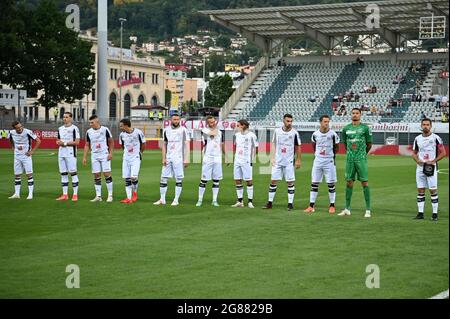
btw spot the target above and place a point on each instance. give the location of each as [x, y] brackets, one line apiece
[274, 92]
[343, 83]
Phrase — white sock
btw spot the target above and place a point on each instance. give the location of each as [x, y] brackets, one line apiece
[109, 185]
[17, 184]
[291, 193]
[98, 187]
[215, 190]
[135, 184]
[240, 192]
[332, 193]
[30, 185]
[65, 183]
[250, 192]
[128, 187]
[435, 203]
[75, 184]
[178, 189]
[272, 192]
[163, 189]
[420, 202]
[313, 193]
[201, 190]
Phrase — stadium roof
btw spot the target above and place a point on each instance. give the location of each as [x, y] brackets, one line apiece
[328, 23]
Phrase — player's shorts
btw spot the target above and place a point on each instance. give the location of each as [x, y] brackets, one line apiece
[23, 164]
[424, 181]
[286, 172]
[243, 171]
[324, 168]
[357, 170]
[67, 164]
[101, 164]
[211, 171]
[130, 168]
[173, 170]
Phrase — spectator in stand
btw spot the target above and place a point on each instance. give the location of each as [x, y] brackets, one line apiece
[422, 115]
[365, 89]
[342, 110]
[356, 97]
[444, 101]
[381, 112]
[419, 98]
[334, 107]
[389, 110]
[253, 94]
[374, 89]
[373, 110]
[340, 97]
[396, 79]
[437, 99]
[360, 60]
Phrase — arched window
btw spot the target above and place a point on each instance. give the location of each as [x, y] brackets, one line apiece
[127, 105]
[141, 99]
[154, 100]
[112, 105]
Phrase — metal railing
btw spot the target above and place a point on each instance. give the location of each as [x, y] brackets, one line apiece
[239, 92]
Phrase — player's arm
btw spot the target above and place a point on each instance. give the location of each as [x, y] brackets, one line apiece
[36, 145]
[110, 144]
[344, 138]
[441, 152]
[164, 149]
[142, 141]
[187, 149]
[273, 148]
[313, 141]
[298, 151]
[368, 140]
[415, 154]
[87, 146]
[11, 141]
[76, 141]
[254, 149]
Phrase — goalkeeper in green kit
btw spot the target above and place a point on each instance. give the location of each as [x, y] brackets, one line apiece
[357, 138]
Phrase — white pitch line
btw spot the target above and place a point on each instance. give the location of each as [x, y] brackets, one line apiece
[442, 295]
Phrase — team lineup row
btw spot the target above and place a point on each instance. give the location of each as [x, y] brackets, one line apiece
[286, 158]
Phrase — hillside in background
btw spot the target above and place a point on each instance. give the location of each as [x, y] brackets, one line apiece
[155, 20]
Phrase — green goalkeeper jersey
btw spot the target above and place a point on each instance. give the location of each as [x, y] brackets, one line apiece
[355, 139]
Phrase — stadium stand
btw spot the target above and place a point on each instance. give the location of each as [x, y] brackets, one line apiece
[308, 90]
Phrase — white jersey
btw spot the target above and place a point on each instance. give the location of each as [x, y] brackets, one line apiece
[68, 134]
[325, 143]
[98, 140]
[175, 138]
[212, 146]
[285, 144]
[245, 145]
[21, 142]
[131, 144]
[427, 146]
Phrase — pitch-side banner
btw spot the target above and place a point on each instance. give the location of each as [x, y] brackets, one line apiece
[312, 126]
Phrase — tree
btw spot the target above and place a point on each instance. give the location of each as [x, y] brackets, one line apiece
[168, 96]
[223, 41]
[219, 90]
[52, 58]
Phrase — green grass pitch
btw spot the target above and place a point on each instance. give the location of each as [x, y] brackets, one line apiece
[143, 251]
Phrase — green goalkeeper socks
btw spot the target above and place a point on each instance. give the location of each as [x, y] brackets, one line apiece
[348, 197]
[366, 190]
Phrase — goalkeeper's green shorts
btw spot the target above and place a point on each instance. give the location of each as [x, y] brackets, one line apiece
[357, 170]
